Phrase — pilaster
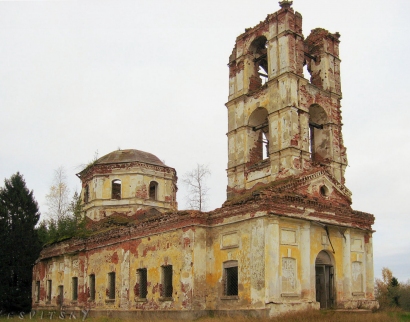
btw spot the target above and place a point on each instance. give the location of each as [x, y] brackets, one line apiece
[272, 235]
[347, 267]
[306, 266]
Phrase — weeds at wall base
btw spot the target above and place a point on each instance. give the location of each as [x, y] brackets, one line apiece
[303, 316]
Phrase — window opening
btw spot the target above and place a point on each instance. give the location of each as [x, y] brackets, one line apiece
[92, 287]
[75, 288]
[37, 291]
[265, 148]
[142, 283]
[264, 77]
[312, 127]
[259, 50]
[116, 189]
[60, 296]
[111, 286]
[259, 136]
[306, 73]
[86, 193]
[153, 190]
[167, 281]
[318, 135]
[49, 284]
[324, 191]
[231, 278]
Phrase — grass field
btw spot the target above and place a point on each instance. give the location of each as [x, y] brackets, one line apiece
[305, 316]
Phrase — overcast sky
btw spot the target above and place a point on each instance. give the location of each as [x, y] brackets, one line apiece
[77, 77]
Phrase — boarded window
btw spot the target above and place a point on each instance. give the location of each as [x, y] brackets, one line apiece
[167, 281]
[288, 275]
[142, 283]
[92, 287]
[37, 294]
[230, 278]
[116, 189]
[153, 190]
[74, 283]
[49, 287]
[111, 286]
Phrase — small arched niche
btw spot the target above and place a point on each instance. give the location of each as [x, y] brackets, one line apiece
[258, 132]
[260, 71]
[116, 189]
[319, 137]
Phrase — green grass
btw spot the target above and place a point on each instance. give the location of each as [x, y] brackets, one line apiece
[305, 316]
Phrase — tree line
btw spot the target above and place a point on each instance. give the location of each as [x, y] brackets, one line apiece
[64, 215]
[390, 293]
[22, 235]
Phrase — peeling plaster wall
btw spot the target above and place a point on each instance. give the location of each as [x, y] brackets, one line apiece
[287, 96]
[284, 213]
[135, 181]
[275, 254]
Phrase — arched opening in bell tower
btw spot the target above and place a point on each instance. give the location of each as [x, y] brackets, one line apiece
[319, 140]
[260, 73]
[258, 136]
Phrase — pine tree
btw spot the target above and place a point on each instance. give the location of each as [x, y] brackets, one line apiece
[20, 246]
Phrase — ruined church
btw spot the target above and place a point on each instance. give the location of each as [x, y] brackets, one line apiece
[285, 239]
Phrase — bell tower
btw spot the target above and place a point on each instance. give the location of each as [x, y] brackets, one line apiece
[281, 124]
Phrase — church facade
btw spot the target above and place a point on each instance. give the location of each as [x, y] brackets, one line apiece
[285, 239]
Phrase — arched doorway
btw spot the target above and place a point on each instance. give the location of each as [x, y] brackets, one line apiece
[324, 280]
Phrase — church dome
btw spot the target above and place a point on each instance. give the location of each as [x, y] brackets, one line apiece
[131, 155]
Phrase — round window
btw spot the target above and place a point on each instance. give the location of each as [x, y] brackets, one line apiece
[324, 191]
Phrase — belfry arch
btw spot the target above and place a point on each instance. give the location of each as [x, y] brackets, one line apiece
[258, 136]
[319, 138]
[259, 71]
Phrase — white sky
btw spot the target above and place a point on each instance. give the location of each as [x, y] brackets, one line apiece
[78, 77]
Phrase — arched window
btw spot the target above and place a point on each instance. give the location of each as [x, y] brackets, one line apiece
[260, 74]
[153, 190]
[319, 146]
[258, 136]
[116, 189]
[86, 194]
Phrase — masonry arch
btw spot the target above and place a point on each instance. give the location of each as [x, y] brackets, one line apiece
[324, 273]
[319, 135]
[258, 135]
[259, 56]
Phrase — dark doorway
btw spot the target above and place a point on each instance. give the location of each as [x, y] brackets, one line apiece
[324, 280]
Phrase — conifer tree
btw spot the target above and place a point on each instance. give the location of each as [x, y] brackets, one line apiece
[19, 246]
